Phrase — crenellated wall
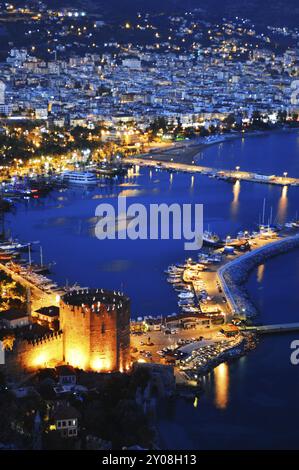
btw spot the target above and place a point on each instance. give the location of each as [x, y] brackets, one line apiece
[30, 355]
[97, 336]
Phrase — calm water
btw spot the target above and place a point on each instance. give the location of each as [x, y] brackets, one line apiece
[252, 403]
[265, 154]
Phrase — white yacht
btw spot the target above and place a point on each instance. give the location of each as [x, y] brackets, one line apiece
[80, 177]
[186, 295]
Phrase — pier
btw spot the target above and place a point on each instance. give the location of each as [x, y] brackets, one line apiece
[233, 275]
[271, 329]
[228, 175]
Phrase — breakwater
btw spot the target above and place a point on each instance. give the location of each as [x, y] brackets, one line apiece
[234, 275]
[229, 175]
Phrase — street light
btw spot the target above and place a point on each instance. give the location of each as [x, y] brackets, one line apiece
[285, 174]
[237, 168]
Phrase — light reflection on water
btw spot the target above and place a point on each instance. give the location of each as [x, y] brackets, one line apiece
[222, 383]
[260, 273]
[192, 183]
[283, 205]
[236, 193]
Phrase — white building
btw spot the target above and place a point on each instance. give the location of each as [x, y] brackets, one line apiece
[2, 92]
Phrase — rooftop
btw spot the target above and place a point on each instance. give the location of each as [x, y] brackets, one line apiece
[13, 314]
[94, 297]
[49, 311]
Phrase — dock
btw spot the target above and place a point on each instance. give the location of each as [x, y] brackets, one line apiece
[271, 329]
[229, 175]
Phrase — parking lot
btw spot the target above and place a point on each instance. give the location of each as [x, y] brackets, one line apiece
[145, 347]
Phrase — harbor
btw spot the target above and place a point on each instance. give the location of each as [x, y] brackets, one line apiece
[216, 311]
[205, 309]
[209, 327]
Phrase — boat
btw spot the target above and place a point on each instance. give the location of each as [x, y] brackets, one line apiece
[173, 270]
[267, 231]
[190, 310]
[49, 287]
[40, 269]
[186, 303]
[186, 295]
[174, 280]
[211, 239]
[5, 256]
[8, 246]
[83, 178]
[111, 171]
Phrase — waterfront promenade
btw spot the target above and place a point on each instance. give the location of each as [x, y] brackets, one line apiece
[148, 161]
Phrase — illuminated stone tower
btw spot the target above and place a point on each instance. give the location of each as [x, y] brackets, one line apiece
[96, 330]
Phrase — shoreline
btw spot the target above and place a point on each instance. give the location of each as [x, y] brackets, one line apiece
[188, 151]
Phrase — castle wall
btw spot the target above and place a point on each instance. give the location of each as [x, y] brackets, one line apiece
[94, 336]
[27, 356]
